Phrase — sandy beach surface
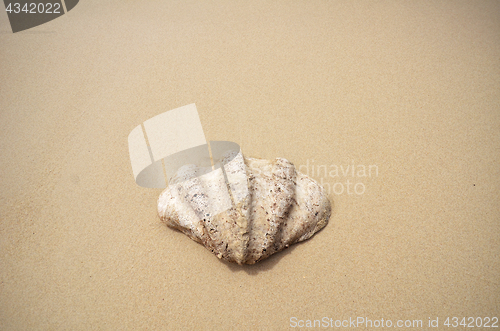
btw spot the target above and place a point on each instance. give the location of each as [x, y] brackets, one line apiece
[393, 106]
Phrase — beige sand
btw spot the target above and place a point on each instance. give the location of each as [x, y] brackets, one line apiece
[411, 88]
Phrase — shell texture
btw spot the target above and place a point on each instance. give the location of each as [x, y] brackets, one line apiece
[245, 210]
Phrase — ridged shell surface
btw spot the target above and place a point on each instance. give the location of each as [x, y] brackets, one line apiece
[245, 210]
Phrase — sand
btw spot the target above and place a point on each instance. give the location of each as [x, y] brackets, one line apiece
[406, 93]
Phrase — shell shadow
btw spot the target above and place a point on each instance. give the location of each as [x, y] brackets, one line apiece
[250, 269]
[270, 262]
[262, 266]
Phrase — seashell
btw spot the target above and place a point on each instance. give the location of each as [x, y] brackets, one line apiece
[244, 209]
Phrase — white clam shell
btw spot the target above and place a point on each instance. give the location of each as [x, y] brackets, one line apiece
[249, 211]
